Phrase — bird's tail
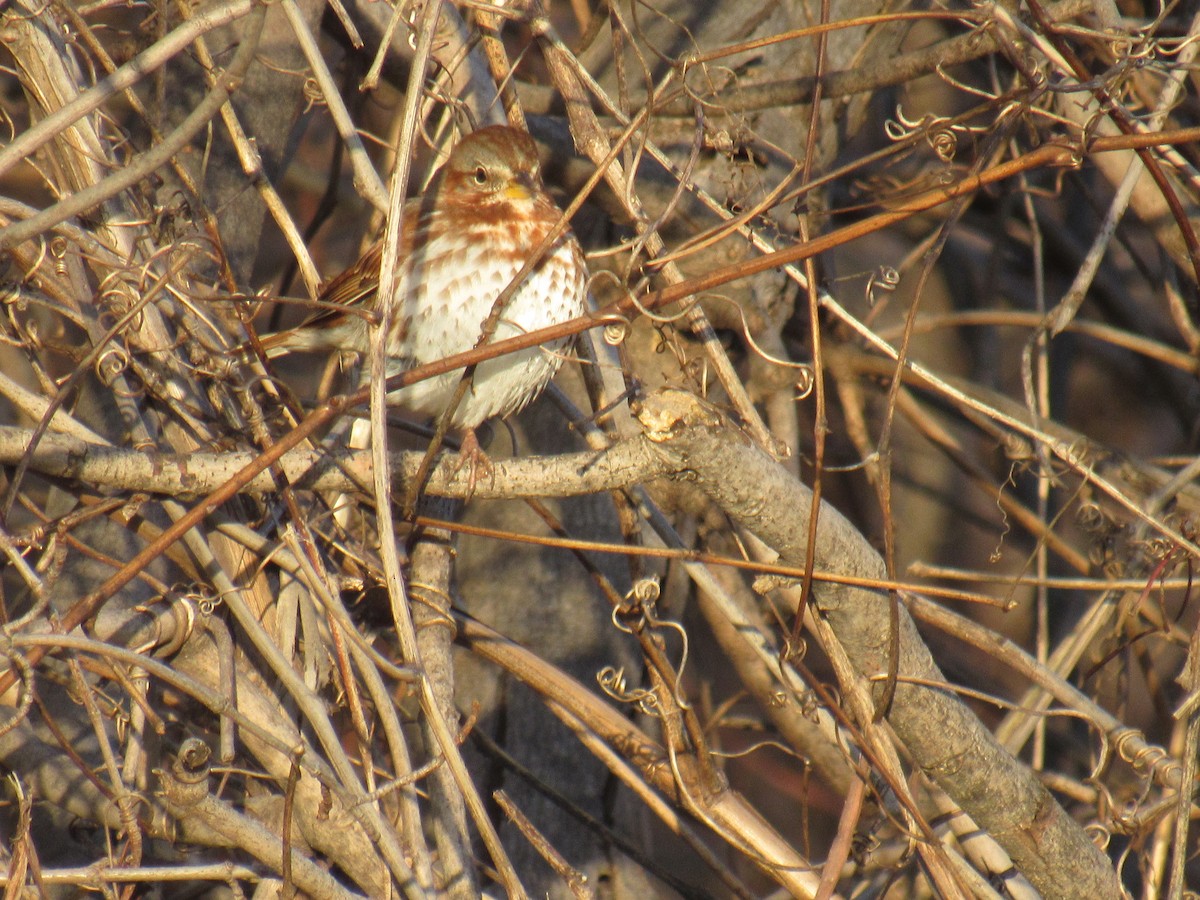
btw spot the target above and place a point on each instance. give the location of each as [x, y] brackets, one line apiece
[323, 333]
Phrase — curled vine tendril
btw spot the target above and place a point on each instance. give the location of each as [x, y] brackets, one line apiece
[883, 278]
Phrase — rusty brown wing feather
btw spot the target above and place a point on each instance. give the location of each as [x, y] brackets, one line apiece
[355, 286]
[351, 287]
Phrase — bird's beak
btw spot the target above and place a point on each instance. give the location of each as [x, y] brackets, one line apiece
[521, 188]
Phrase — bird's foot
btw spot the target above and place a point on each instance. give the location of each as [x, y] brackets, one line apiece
[474, 460]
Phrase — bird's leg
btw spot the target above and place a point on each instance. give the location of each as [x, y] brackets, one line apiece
[471, 456]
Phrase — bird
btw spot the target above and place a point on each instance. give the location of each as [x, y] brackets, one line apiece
[462, 243]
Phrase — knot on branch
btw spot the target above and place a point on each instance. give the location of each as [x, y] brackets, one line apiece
[668, 412]
[186, 783]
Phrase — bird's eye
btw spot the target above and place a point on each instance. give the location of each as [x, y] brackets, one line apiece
[481, 175]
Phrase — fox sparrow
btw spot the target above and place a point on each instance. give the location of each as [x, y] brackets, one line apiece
[461, 246]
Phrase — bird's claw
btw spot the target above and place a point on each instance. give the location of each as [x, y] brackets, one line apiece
[474, 460]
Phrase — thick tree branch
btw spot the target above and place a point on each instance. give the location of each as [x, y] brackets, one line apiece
[947, 741]
[571, 474]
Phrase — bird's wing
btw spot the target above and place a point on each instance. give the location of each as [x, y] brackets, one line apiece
[345, 296]
[352, 287]
[355, 287]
